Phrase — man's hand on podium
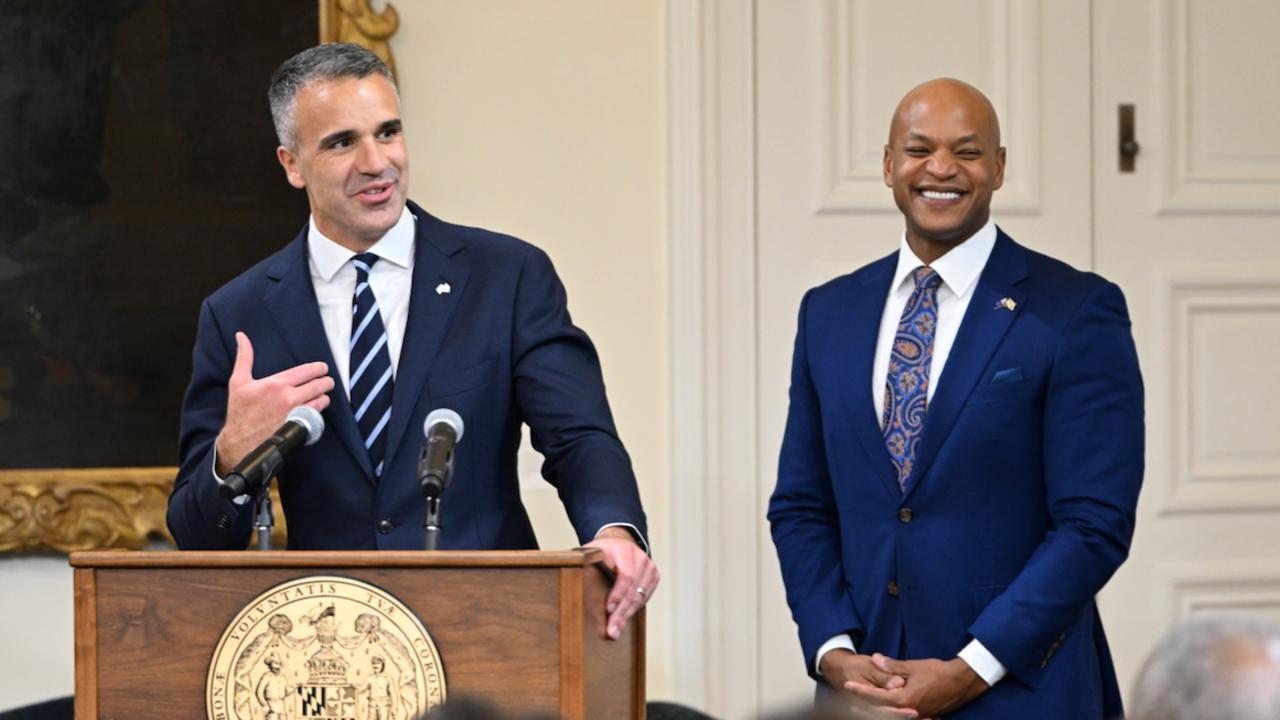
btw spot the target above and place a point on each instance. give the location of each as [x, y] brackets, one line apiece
[256, 408]
[635, 576]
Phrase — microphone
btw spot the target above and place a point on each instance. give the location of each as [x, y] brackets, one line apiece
[443, 429]
[304, 426]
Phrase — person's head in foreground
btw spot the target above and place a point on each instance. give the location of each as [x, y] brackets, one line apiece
[1212, 666]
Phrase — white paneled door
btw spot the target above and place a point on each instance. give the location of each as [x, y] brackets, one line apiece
[1192, 235]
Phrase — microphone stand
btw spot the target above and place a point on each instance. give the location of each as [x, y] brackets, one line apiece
[264, 520]
[432, 486]
[431, 523]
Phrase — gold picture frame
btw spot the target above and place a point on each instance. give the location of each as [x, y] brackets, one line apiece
[355, 21]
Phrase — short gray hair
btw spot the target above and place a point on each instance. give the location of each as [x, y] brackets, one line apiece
[330, 61]
[1215, 665]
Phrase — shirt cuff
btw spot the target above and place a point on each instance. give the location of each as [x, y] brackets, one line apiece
[839, 642]
[635, 533]
[239, 499]
[983, 662]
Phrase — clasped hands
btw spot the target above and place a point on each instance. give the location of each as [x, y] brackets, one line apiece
[876, 686]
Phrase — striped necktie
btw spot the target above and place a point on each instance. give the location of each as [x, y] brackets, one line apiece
[906, 389]
[370, 386]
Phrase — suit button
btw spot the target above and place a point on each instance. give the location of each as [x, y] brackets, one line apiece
[893, 588]
[385, 527]
[905, 515]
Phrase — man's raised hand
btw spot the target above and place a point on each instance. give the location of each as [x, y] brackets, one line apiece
[257, 407]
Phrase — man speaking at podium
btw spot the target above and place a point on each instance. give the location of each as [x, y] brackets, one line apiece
[376, 314]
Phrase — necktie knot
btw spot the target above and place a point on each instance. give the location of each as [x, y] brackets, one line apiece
[926, 278]
[363, 262]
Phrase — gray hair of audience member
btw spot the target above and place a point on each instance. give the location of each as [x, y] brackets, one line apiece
[330, 61]
[1212, 666]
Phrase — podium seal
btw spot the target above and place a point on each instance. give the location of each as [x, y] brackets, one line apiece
[324, 647]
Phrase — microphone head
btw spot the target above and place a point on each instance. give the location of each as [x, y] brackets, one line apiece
[446, 416]
[310, 419]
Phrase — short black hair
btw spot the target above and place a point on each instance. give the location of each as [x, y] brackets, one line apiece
[330, 61]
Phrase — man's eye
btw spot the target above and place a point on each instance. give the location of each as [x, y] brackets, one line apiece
[341, 144]
[969, 154]
[917, 151]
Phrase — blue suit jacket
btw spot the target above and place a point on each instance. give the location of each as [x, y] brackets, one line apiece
[499, 348]
[1021, 502]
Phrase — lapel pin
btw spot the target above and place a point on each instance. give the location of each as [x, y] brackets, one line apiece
[443, 288]
[1006, 304]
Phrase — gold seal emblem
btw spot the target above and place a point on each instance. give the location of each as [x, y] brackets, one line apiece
[324, 647]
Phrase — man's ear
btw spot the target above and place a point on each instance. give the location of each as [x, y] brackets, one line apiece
[999, 179]
[888, 166]
[290, 165]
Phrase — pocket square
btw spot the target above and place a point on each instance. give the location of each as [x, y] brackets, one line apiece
[1007, 375]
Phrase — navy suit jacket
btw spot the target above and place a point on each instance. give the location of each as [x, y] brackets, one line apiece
[499, 348]
[1021, 501]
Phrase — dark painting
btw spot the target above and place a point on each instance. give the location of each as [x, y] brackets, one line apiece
[139, 175]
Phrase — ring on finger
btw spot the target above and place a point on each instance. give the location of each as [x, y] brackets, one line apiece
[642, 592]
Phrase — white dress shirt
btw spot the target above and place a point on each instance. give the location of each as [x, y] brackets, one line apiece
[959, 270]
[391, 278]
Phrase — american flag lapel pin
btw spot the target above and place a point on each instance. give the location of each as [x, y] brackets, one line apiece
[1007, 304]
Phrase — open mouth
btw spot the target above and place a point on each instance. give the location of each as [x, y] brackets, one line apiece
[941, 195]
[376, 193]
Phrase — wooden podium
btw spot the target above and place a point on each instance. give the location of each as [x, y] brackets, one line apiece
[523, 629]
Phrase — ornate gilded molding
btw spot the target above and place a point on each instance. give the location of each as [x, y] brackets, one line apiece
[354, 21]
[89, 509]
[66, 510]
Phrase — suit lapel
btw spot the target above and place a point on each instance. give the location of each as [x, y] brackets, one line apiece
[984, 326]
[437, 263]
[291, 301]
[862, 329]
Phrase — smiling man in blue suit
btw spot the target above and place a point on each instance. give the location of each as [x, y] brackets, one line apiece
[376, 314]
[963, 452]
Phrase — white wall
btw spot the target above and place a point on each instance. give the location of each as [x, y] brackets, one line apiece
[546, 120]
[36, 639]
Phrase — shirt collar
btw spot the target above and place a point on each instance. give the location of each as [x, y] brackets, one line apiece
[396, 246]
[959, 267]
